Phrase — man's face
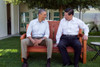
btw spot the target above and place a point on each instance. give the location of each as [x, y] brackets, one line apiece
[67, 17]
[43, 15]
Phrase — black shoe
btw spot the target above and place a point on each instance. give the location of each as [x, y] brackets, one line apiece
[68, 64]
[25, 65]
[76, 65]
[48, 63]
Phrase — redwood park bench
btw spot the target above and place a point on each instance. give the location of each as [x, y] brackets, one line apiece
[53, 26]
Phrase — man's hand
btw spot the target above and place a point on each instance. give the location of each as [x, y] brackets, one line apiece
[33, 41]
[85, 37]
[38, 41]
[55, 45]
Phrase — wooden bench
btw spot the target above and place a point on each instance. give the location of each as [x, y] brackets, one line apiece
[53, 26]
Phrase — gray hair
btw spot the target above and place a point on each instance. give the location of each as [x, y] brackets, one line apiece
[41, 10]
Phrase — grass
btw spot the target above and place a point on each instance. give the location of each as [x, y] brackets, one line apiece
[93, 39]
[10, 55]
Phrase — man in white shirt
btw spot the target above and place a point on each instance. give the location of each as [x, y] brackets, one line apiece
[67, 36]
[37, 34]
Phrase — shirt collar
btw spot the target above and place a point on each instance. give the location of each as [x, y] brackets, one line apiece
[73, 18]
[41, 21]
[70, 20]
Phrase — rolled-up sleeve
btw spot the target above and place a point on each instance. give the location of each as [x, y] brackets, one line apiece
[47, 32]
[84, 27]
[29, 30]
[59, 33]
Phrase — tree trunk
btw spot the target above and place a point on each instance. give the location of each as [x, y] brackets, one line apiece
[80, 12]
[60, 12]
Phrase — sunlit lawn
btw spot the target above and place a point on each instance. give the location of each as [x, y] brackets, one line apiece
[10, 55]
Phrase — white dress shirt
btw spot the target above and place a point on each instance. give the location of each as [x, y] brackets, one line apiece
[71, 28]
[38, 29]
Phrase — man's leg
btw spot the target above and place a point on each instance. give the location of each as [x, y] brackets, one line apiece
[77, 48]
[24, 43]
[62, 47]
[49, 44]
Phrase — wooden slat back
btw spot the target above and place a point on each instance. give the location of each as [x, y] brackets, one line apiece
[53, 29]
[53, 26]
[27, 27]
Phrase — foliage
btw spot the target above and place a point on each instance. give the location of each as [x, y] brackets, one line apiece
[56, 4]
[14, 2]
[59, 4]
[94, 33]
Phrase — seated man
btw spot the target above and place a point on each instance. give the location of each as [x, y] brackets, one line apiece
[39, 28]
[67, 36]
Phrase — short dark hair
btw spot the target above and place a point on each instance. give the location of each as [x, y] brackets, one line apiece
[41, 10]
[69, 11]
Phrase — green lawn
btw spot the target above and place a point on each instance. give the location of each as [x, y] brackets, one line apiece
[93, 39]
[10, 55]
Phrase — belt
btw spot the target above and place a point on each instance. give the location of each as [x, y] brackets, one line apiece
[70, 35]
[37, 37]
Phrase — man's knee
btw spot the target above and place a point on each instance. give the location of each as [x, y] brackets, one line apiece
[61, 45]
[79, 45]
[49, 40]
[24, 41]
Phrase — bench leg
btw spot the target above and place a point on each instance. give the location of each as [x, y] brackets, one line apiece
[21, 57]
[84, 51]
[84, 58]
[81, 58]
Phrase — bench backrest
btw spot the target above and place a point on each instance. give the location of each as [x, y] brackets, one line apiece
[53, 26]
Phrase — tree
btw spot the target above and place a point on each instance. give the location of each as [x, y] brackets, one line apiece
[14, 2]
[59, 4]
[49, 4]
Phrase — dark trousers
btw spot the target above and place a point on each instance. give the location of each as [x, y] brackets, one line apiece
[72, 41]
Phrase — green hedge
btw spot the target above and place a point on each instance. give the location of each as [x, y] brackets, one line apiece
[94, 33]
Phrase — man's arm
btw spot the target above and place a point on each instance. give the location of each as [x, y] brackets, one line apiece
[46, 34]
[85, 29]
[59, 33]
[29, 31]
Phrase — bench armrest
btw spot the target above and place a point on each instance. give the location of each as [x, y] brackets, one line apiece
[23, 36]
[84, 45]
[84, 51]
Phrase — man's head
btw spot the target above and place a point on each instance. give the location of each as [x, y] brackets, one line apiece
[42, 14]
[68, 14]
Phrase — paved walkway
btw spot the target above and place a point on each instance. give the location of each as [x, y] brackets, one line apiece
[8, 36]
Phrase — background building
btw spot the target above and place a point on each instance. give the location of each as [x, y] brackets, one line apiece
[13, 19]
